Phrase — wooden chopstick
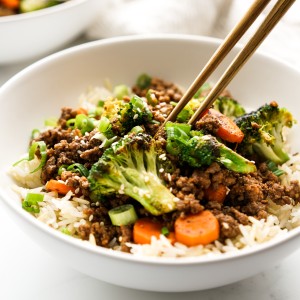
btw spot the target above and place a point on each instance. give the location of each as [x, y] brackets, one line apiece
[232, 38]
[280, 8]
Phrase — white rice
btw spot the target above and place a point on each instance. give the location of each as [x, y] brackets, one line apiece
[21, 173]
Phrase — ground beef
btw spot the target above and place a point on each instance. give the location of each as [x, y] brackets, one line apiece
[164, 91]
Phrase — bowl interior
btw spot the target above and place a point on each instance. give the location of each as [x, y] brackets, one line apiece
[39, 91]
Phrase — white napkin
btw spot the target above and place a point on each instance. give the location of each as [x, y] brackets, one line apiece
[125, 17]
[200, 17]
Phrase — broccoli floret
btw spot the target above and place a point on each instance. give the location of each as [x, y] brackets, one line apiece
[123, 116]
[229, 107]
[199, 149]
[263, 132]
[132, 166]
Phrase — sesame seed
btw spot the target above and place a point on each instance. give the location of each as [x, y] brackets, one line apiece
[225, 225]
[161, 170]
[135, 116]
[169, 176]
[91, 218]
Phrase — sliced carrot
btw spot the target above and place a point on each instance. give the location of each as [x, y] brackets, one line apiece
[59, 187]
[228, 130]
[198, 229]
[81, 110]
[145, 228]
[11, 3]
[216, 194]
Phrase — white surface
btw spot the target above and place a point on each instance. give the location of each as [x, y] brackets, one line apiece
[27, 272]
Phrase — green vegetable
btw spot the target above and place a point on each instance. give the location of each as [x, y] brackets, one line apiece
[143, 81]
[137, 129]
[151, 98]
[205, 87]
[120, 91]
[202, 149]
[274, 168]
[229, 107]
[263, 132]
[105, 127]
[51, 122]
[78, 168]
[123, 116]
[61, 169]
[81, 122]
[32, 5]
[123, 215]
[31, 153]
[186, 113]
[165, 231]
[35, 133]
[66, 231]
[132, 167]
[30, 203]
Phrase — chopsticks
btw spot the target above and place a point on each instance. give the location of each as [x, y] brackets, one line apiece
[277, 12]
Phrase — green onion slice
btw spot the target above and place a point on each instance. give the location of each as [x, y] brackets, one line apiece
[52, 122]
[35, 133]
[123, 215]
[78, 168]
[120, 91]
[143, 81]
[32, 149]
[43, 151]
[165, 231]
[61, 169]
[82, 122]
[30, 203]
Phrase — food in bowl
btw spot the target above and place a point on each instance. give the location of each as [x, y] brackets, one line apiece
[103, 173]
[12, 7]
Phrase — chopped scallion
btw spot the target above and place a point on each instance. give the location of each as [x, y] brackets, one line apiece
[78, 168]
[30, 203]
[35, 133]
[165, 231]
[120, 91]
[143, 81]
[122, 215]
[52, 122]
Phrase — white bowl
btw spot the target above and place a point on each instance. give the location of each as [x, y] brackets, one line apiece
[42, 89]
[34, 34]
